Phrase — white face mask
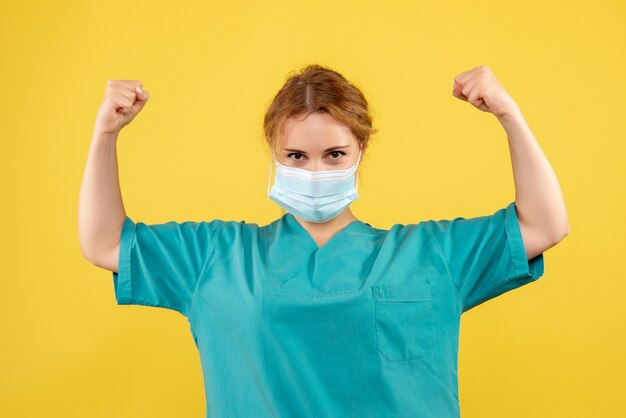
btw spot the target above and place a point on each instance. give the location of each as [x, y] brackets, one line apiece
[315, 196]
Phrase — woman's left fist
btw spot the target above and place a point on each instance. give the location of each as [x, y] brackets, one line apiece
[480, 87]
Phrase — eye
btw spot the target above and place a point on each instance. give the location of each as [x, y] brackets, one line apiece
[336, 152]
[294, 153]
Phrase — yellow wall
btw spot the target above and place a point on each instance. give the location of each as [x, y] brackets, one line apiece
[554, 348]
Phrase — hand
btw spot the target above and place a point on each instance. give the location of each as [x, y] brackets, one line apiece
[122, 101]
[479, 87]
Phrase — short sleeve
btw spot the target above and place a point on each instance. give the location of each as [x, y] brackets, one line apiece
[159, 264]
[485, 255]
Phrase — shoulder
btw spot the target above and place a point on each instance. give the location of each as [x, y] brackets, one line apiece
[404, 235]
[207, 228]
[233, 227]
[416, 230]
[436, 230]
[465, 226]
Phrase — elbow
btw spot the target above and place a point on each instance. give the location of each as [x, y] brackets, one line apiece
[561, 234]
[99, 258]
[92, 258]
[87, 254]
[107, 260]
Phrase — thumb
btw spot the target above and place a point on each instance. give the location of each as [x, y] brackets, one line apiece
[142, 95]
[459, 95]
[141, 99]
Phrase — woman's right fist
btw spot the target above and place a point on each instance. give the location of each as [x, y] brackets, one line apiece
[123, 99]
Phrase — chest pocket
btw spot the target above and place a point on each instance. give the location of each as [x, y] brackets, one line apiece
[404, 320]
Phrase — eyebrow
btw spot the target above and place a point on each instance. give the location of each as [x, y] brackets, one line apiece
[303, 152]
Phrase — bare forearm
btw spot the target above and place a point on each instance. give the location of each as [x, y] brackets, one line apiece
[538, 196]
[100, 208]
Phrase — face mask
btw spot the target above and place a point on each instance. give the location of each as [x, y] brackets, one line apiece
[315, 196]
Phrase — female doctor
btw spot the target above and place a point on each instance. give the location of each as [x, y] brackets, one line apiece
[320, 314]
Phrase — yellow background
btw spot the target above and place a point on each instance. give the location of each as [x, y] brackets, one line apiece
[553, 348]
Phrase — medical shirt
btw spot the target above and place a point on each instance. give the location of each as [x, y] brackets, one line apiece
[365, 326]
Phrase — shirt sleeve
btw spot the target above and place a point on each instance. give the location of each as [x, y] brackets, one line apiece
[485, 255]
[159, 264]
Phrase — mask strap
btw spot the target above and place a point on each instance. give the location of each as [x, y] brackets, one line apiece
[356, 177]
[270, 177]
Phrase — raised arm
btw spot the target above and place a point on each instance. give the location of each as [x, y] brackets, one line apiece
[100, 208]
[538, 198]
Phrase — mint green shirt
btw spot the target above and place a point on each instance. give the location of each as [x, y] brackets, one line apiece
[365, 326]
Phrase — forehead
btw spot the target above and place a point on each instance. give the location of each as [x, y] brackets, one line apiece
[316, 130]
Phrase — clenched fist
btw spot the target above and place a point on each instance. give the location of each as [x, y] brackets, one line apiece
[480, 87]
[123, 99]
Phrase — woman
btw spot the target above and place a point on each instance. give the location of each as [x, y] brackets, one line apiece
[319, 314]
